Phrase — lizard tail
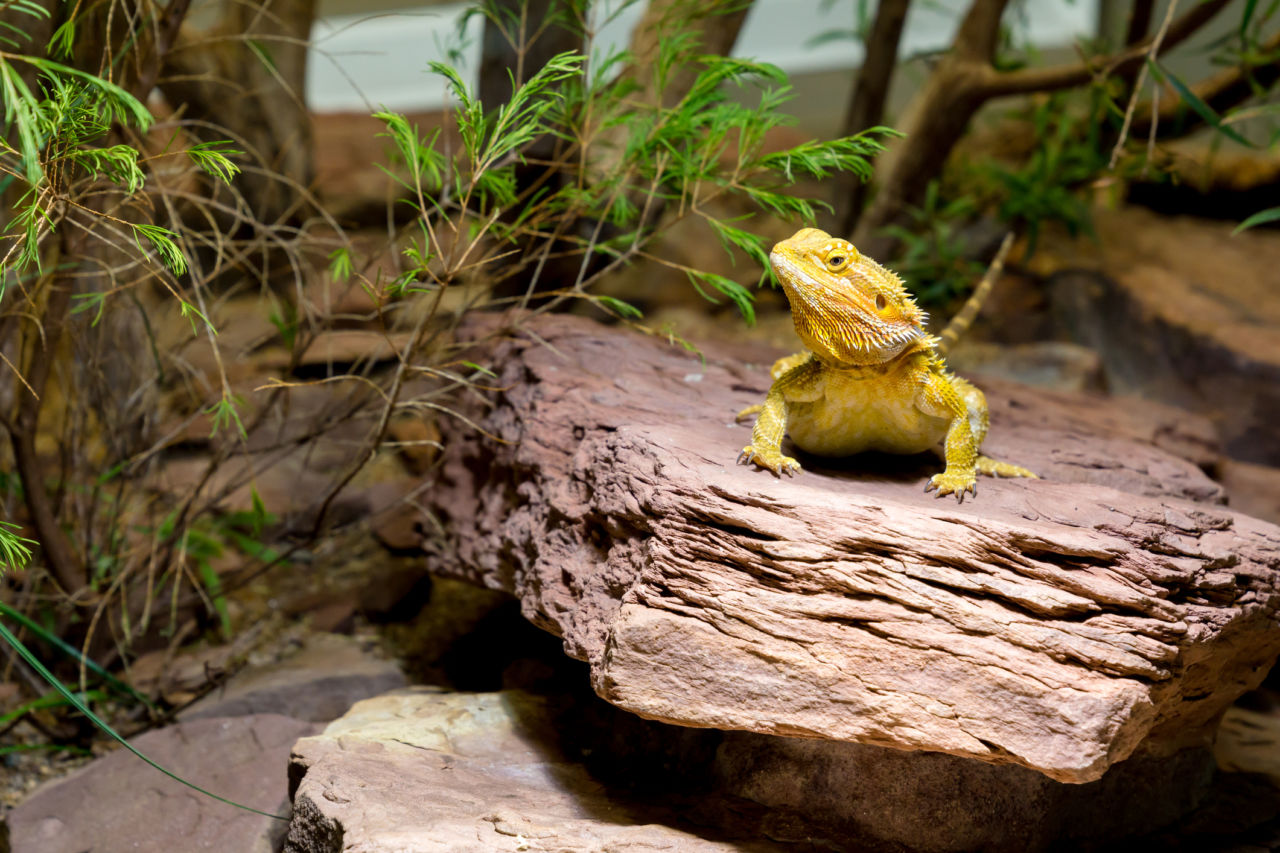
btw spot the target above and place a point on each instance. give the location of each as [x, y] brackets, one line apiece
[961, 322]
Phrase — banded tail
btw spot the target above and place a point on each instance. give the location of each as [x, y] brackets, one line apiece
[961, 321]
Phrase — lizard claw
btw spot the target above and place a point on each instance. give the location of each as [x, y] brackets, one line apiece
[953, 483]
[773, 460]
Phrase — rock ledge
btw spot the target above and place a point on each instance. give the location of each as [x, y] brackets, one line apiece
[1056, 624]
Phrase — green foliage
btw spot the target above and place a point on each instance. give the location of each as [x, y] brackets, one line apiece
[15, 550]
[1161, 75]
[625, 167]
[200, 542]
[77, 109]
[214, 159]
[1262, 217]
[934, 257]
[50, 638]
[340, 267]
[1046, 186]
[225, 413]
[84, 208]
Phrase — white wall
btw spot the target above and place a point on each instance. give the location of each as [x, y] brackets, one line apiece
[362, 62]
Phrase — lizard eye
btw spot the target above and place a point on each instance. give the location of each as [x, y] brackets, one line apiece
[881, 302]
[841, 257]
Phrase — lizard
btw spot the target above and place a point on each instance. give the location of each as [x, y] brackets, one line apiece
[872, 377]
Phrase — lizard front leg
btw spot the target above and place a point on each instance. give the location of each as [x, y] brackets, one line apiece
[780, 367]
[940, 397]
[979, 421]
[801, 383]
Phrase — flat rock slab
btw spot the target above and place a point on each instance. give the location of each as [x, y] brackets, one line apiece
[424, 770]
[1057, 624]
[118, 803]
[324, 678]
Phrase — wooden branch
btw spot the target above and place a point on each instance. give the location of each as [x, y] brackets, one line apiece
[170, 25]
[979, 32]
[1139, 22]
[58, 553]
[997, 84]
[866, 102]
[962, 82]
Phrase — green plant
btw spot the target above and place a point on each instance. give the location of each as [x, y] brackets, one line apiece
[933, 258]
[14, 552]
[89, 223]
[611, 193]
[1047, 186]
[208, 537]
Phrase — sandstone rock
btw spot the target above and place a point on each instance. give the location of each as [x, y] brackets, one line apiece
[1057, 624]
[467, 773]
[1253, 489]
[422, 769]
[1248, 741]
[119, 803]
[342, 347]
[1182, 311]
[319, 683]
[1046, 364]
[864, 797]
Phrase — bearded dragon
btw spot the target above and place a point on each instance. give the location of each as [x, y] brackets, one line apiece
[872, 378]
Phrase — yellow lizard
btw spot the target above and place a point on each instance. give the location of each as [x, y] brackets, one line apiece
[872, 377]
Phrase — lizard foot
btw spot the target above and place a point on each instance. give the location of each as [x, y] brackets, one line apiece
[748, 412]
[951, 482]
[771, 459]
[995, 468]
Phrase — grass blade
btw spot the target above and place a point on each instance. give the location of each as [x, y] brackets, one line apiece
[1271, 214]
[1201, 109]
[7, 636]
[73, 653]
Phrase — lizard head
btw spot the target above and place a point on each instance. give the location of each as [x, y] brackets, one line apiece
[846, 307]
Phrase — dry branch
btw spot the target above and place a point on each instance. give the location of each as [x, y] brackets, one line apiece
[866, 102]
[963, 81]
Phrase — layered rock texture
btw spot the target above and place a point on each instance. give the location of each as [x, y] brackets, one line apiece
[1064, 624]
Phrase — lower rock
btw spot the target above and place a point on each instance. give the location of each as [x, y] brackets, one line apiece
[868, 797]
[510, 771]
[318, 683]
[119, 803]
[425, 770]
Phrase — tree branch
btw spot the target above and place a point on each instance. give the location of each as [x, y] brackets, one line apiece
[170, 24]
[58, 554]
[996, 84]
[979, 32]
[866, 102]
[1139, 22]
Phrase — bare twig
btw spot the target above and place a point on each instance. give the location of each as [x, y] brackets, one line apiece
[1152, 52]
